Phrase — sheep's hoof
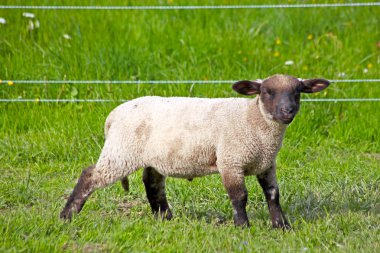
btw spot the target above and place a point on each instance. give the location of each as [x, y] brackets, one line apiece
[168, 215]
[284, 225]
[287, 227]
[242, 223]
[164, 215]
[66, 214]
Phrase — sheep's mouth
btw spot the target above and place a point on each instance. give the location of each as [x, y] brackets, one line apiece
[285, 119]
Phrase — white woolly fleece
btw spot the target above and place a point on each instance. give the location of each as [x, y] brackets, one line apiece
[189, 137]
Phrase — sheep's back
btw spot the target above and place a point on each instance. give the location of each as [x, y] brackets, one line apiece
[178, 136]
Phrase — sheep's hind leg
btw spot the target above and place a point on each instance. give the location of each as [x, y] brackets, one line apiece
[82, 190]
[91, 179]
[268, 182]
[155, 192]
[125, 183]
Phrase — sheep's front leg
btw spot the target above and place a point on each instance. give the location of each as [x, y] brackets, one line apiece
[235, 186]
[155, 192]
[268, 182]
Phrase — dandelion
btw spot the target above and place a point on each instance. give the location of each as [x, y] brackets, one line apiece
[310, 36]
[37, 100]
[66, 36]
[278, 41]
[276, 54]
[28, 15]
[369, 65]
[1, 81]
[170, 1]
[10, 83]
[3, 21]
[290, 62]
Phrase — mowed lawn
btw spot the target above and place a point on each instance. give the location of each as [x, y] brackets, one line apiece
[328, 167]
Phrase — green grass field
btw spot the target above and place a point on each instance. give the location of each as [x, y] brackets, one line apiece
[328, 168]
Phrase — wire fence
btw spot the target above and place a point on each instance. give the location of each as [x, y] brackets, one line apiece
[48, 100]
[190, 7]
[160, 81]
[178, 7]
[168, 82]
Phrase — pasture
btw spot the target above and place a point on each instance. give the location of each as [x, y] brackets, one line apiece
[328, 168]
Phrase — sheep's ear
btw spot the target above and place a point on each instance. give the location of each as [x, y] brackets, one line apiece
[313, 85]
[246, 87]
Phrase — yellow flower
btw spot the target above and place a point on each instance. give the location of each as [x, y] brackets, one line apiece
[10, 83]
[37, 100]
[278, 41]
[310, 36]
[276, 54]
[245, 59]
[1, 81]
[170, 1]
[369, 65]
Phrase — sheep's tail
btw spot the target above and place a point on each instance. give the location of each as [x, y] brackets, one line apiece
[125, 183]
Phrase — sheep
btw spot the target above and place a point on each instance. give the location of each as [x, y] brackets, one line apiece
[193, 137]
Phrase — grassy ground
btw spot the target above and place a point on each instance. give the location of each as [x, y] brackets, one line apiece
[328, 167]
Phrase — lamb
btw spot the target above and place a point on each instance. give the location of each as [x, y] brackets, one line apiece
[193, 137]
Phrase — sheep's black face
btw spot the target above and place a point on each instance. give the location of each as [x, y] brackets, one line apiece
[280, 97]
[280, 94]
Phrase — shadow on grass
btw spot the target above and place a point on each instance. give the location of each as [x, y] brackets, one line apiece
[209, 216]
[309, 208]
[342, 197]
[316, 206]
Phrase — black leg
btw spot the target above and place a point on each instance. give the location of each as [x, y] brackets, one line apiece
[125, 183]
[155, 192]
[234, 184]
[82, 190]
[268, 182]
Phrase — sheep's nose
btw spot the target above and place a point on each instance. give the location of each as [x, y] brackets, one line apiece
[288, 109]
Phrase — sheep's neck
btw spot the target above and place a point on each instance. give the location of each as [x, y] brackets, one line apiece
[268, 125]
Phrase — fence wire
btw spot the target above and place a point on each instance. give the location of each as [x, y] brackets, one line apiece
[177, 7]
[160, 81]
[190, 7]
[48, 100]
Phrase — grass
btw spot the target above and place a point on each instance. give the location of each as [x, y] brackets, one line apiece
[328, 167]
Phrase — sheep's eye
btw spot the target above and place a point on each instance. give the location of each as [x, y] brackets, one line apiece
[268, 92]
